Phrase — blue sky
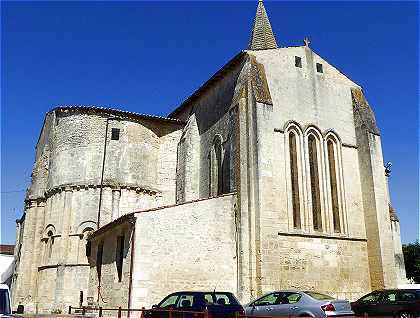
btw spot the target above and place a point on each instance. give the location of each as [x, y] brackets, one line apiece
[149, 56]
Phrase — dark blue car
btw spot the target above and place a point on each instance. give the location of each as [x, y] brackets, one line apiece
[191, 304]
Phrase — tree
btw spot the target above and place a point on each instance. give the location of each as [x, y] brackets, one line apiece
[411, 253]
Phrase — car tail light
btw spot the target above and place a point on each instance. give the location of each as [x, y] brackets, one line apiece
[241, 312]
[328, 307]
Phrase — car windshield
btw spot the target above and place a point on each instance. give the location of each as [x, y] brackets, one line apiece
[4, 301]
[319, 296]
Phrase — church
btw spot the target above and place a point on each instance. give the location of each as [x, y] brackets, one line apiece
[269, 176]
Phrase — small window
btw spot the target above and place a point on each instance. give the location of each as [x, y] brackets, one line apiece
[319, 68]
[115, 134]
[119, 257]
[99, 254]
[298, 61]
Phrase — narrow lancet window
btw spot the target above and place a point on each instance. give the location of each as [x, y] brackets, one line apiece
[218, 150]
[333, 185]
[315, 191]
[215, 168]
[294, 180]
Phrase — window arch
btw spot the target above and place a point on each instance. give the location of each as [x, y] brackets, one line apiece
[216, 167]
[333, 184]
[48, 238]
[294, 178]
[314, 175]
[335, 181]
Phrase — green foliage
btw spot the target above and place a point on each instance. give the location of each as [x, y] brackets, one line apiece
[411, 253]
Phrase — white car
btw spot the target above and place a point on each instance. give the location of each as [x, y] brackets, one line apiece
[298, 304]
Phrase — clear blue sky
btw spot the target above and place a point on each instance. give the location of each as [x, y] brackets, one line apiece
[149, 56]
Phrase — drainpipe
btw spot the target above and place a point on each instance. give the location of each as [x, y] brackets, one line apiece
[103, 171]
[130, 284]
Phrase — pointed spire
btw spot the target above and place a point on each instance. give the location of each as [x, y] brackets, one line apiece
[262, 36]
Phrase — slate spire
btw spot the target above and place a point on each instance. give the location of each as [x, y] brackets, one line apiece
[262, 37]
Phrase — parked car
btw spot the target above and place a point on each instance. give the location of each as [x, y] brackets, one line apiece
[299, 304]
[401, 303]
[4, 300]
[218, 305]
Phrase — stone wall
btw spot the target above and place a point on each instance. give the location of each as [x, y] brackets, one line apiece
[331, 266]
[186, 247]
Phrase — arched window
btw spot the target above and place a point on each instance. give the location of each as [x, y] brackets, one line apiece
[84, 245]
[331, 149]
[314, 176]
[49, 245]
[294, 174]
[215, 167]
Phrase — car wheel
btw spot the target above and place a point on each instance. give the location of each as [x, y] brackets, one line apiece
[405, 314]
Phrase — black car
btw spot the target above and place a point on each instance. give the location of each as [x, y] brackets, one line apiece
[396, 303]
[189, 304]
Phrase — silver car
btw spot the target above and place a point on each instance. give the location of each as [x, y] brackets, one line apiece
[298, 304]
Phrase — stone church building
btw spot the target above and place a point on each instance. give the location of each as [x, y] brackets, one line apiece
[269, 176]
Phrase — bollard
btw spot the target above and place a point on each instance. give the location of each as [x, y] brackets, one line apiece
[206, 313]
[119, 312]
[69, 310]
[83, 310]
[170, 312]
[142, 312]
[100, 311]
[365, 315]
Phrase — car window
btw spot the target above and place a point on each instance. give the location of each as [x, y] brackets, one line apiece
[319, 296]
[389, 297]
[293, 298]
[209, 299]
[371, 298]
[407, 296]
[168, 301]
[269, 299]
[185, 301]
[220, 299]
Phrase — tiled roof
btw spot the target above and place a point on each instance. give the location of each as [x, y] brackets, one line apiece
[7, 249]
[262, 37]
[116, 112]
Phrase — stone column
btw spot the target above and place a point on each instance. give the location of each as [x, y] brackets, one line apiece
[37, 250]
[116, 195]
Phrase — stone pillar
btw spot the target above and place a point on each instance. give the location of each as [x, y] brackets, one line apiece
[37, 251]
[67, 217]
[375, 195]
[116, 195]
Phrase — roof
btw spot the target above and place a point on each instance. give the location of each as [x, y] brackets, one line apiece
[115, 112]
[262, 37]
[221, 72]
[122, 219]
[7, 249]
